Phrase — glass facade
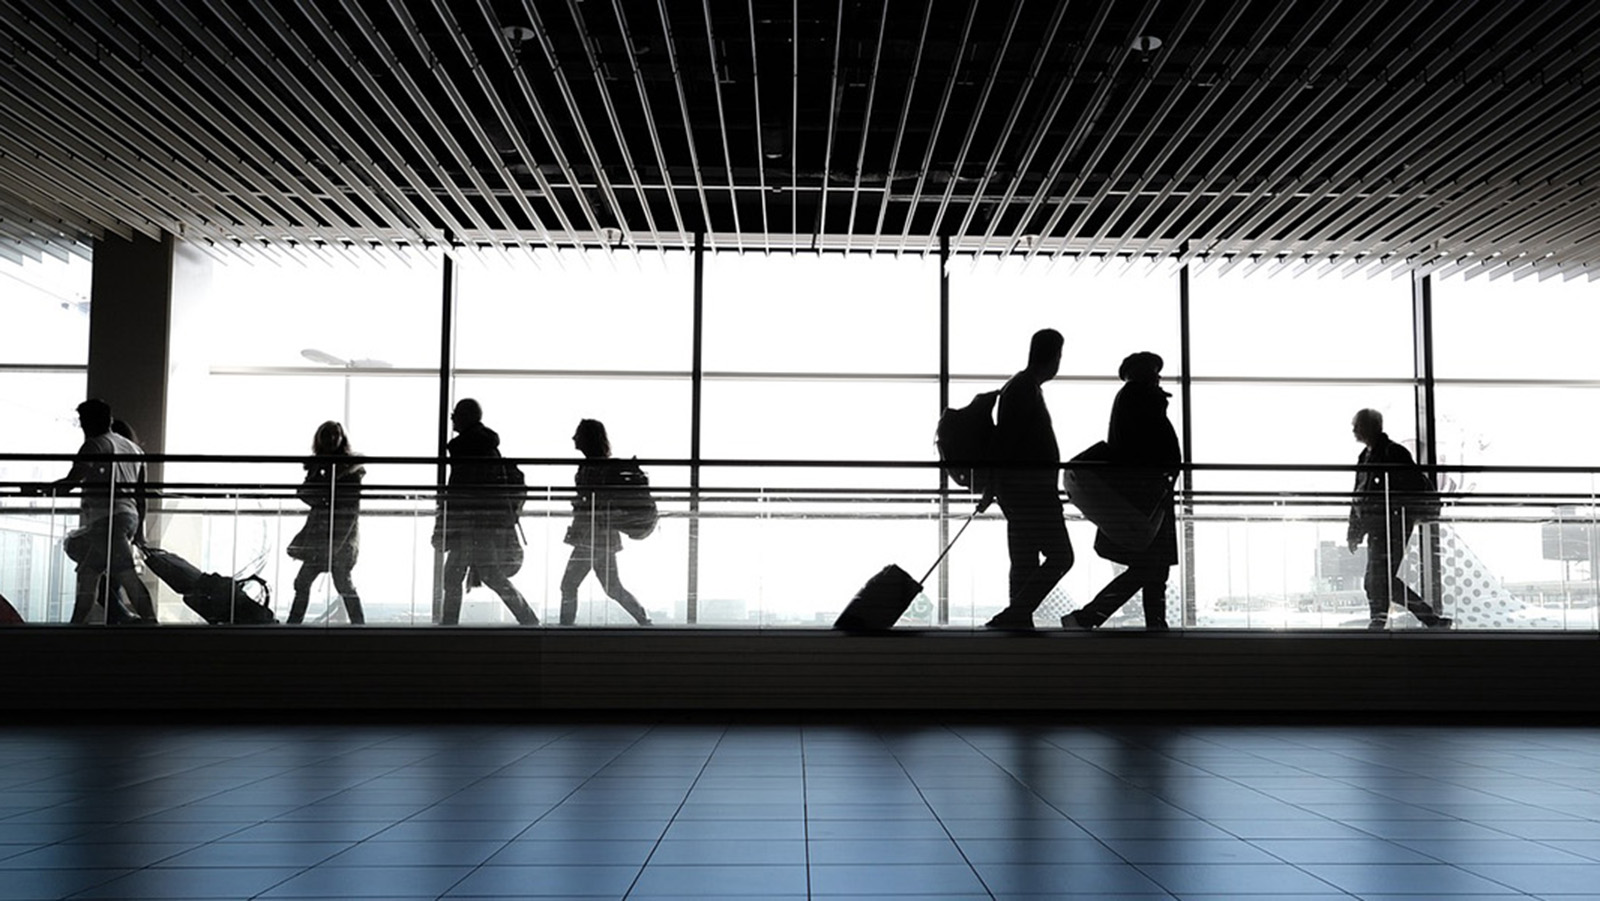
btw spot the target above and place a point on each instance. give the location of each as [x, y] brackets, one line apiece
[784, 404]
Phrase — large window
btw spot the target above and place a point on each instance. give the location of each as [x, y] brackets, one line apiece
[44, 349]
[259, 362]
[1280, 367]
[565, 336]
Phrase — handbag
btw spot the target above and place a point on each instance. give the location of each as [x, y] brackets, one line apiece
[1101, 494]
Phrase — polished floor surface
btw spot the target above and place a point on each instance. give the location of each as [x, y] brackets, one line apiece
[798, 808]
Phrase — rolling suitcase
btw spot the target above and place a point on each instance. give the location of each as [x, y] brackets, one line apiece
[884, 599]
[218, 599]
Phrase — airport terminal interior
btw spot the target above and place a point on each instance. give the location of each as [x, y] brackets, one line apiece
[764, 247]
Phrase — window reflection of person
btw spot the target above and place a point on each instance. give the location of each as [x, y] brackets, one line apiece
[1030, 468]
[1139, 434]
[112, 517]
[331, 539]
[1384, 524]
[594, 541]
[474, 526]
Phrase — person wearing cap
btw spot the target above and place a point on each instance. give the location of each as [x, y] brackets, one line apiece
[1141, 436]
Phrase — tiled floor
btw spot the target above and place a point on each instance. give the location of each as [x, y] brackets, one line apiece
[743, 809]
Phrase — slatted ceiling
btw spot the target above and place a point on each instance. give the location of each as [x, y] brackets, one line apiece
[1372, 137]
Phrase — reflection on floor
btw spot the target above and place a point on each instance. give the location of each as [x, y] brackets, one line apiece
[800, 808]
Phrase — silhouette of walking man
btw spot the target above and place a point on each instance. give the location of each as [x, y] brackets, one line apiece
[1383, 521]
[477, 523]
[1140, 435]
[1026, 485]
[112, 517]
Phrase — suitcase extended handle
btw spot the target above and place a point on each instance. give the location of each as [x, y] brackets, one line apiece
[942, 554]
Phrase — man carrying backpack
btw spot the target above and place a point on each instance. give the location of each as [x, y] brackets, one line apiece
[1025, 484]
[1379, 513]
[477, 521]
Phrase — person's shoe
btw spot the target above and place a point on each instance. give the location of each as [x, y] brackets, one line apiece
[1377, 625]
[1442, 624]
[1156, 627]
[1010, 623]
[1070, 623]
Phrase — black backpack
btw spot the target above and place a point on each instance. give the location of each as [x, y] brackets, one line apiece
[631, 507]
[965, 439]
[511, 490]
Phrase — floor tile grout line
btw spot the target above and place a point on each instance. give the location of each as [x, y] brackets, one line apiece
[805, 807]
[201, 731]
[674, 818]
[537, 820]
[1233, 780]
[396, 769]
[938, 819]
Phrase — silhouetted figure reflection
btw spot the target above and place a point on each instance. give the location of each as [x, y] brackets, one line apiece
[1025, 445]
[1384, 523]
[1139, 435]
[595, 541]
[477, 522]
[111, 520]
[330, 541]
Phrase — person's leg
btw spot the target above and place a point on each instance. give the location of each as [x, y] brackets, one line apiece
[455, 572]
[123, 574]
[346, 586]
[606, 568]
[1400, 535]
[1054, 549]
[578, 566]
[500, 584]
[303, 580]
[1040, 552]
[1154, 595]
[1378, 581]
[1108, 601]
[87, 592]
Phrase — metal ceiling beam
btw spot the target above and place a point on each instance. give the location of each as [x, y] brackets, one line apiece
[1030, 79]
[974, 119]
[358, 13]
[1095, 109]
[1169, 235]
[1398, 147]
[722, 123]
[900, 130]
[1128, 107]
[938, 122]
[761, 154]
[866, 126]
[587, 40]
[649, 116]
[578, 117]
[1041, 133]
[835, 101]
[349, 152]
[688, 121]
[507, 123]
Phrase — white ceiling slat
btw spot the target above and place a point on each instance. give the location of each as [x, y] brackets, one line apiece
[1395, 149]
[1302, 137]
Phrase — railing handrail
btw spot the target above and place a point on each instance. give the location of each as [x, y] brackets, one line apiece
[764, 463]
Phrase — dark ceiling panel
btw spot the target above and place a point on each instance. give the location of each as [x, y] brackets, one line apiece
[1320, 135]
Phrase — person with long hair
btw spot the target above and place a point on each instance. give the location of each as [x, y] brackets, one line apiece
[595, 540]
[331, 538]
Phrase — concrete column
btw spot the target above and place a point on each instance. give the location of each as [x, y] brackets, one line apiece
[136, 289]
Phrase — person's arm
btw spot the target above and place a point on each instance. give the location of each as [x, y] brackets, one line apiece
[142, 504]
[1354, 533]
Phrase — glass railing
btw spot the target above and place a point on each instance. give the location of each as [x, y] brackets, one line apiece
[763, 545]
